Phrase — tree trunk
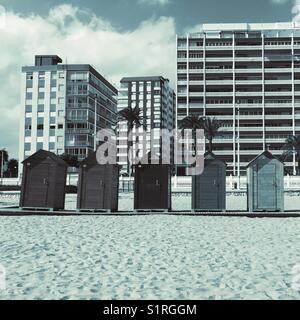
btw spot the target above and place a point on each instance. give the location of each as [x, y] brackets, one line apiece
[210, 144]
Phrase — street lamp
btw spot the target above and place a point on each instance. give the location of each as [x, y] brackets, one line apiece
[238, 147]
[2, 164]
[95, 97]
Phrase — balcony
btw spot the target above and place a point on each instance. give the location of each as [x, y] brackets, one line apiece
[219, 82]
[270, 129]
[253, 47]
[196, 82]
[221, 71]
[248, 70]
[218, 48]
[279, 81]
[219, 94]
[196, 94]
[219, 59]
[248, 59]
[278, 47]
[278, 93]
[219, 106]
[278, 116]
[245, 82]
[248, 93]
[277, 70]
[195, 70]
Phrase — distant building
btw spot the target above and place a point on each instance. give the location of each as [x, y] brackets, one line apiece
[157, 101]
[248, 76]
[58, 107]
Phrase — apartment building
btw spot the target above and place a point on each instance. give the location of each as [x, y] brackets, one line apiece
[248, 76]
[63, 106]
[157, 101]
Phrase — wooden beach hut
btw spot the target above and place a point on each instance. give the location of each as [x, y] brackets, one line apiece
[152, 186]
[265, 176]
[43, 181]
[209, 188]
[98, 185]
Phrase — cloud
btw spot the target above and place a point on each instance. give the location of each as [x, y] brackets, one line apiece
[280, 1]
[155, 2]
[296, 11]
[81, 37]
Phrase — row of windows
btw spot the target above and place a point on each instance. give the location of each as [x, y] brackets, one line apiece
[39, 145]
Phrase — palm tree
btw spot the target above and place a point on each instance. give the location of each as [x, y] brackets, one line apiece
[211, 128]
[134, 119]
[292, 143]
[193, 123]
[12, 168]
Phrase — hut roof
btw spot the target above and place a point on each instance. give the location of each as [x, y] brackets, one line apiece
[43, 154]
[91, 160]
[211, 156]
[267, 154]
[147, 158]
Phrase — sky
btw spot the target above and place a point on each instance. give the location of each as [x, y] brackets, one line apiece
[118, 37]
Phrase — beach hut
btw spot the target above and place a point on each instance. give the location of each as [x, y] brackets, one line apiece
[152, 186]
[43, 181]
[265, 176]
[98, 185]
[209, 188]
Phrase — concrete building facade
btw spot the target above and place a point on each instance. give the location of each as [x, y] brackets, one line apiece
[63, 106]
[156, 100]
[248, 76]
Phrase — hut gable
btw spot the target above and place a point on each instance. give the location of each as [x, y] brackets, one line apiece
[210, 157]
[265, 155]
[41, 155]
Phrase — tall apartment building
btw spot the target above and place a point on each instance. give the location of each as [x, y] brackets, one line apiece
[248, 76]
[157, 101]
[62, 106]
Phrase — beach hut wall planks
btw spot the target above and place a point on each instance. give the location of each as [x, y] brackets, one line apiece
[43, 181]
[265, 183]
[209, 188]
[152, 186]
[98, 185]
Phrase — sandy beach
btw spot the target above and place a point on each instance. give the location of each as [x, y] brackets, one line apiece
[149, 257]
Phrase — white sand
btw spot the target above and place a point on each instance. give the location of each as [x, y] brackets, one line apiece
[145, 257]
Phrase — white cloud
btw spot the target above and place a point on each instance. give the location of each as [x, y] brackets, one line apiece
[296, 11]
[81, 37]
[155, 2]
[280, 1]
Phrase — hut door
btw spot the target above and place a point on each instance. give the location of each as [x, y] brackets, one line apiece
[93, 195]
[266, 187]
[37, 186]
[150, 191]
[211, 189]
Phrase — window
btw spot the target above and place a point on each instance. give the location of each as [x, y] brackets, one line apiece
[52, 108]
[60, 126]
[61, 75]
[40, 108]
[61, 100]
[28, 109]
[27, 146]
[51, 146]
[28, 95]
[29, 76]
[40, 127]
[39, 145]
[41, 95]
[61, 87]
[52, 120]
